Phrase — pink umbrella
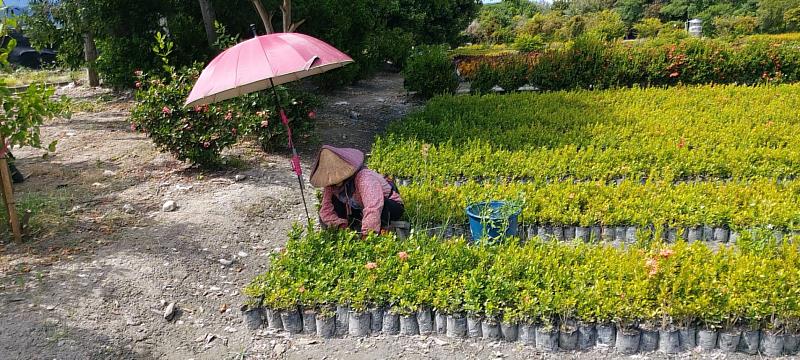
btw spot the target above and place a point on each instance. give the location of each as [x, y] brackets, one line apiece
[261, 63]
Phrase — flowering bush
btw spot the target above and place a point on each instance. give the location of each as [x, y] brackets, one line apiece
[199, 134]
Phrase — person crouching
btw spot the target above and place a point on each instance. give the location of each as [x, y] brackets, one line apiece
[354, 197]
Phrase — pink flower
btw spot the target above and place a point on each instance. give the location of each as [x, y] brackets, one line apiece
[233, 131]
[229, 115]
[666, 253]
[206, 144]
[302, 289]
[371, 266]
[674, 74]
[138, 73]
[166, 111]
[402, 255]
[133, 127]
[312, 114]
[138, 84]
[264, 123]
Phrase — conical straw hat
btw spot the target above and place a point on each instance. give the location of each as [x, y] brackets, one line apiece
[335, 165]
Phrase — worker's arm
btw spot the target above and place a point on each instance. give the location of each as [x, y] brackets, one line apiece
[327, 214]
[371, 192]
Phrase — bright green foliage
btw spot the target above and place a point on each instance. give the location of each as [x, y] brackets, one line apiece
[648, 28]
[672, 134]
[429, 71]
[22, 114]
[538, 282]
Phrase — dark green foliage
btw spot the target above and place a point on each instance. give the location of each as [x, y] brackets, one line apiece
[430, 72]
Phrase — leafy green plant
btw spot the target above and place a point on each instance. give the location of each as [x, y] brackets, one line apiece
[429, 71]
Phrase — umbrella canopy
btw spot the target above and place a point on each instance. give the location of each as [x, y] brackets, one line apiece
[262, 62]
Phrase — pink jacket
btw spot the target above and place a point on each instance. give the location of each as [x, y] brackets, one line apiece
[370, 190]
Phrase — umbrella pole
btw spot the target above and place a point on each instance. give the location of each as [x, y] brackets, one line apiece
[295, 157]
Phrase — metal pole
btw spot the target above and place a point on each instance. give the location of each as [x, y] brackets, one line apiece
[294, 152]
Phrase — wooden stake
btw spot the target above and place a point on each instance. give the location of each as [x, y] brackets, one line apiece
[8, 196]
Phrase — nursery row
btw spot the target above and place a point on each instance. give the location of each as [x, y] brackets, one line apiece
[733, 205]
[544, 286]
[588, 63]
[675, 133]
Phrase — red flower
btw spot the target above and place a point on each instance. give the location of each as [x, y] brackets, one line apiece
[402, 255]
[312, 114]
[166, 111]
[371, 266]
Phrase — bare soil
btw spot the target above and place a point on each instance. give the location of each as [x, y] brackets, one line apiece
[101, 259]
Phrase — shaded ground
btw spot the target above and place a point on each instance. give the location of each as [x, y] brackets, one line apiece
[103, 259]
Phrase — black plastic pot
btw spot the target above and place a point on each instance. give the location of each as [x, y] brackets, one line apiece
[527, 334]
[309, 321]
[791, 343]
[688, 337]
[729, 341]
[721, 235]
[607, 233]
[425, 321]
[342, 319]
[391, 323]
[510, 332]
[771, 344]
[558, 233]
[708, 233]
[707, 339]
[490, 329]
[456, 325]
[274, 320]
[326, 326]
[568, 339]
[547, 339]
[359, 324]
[292, 321]
[628, 341]
[409, 325]
[694, 234]
[587, 336]
[669, 341]
[440, 323]
[376, 316]
[474, 327]
[630, 235]
[569, 233]
[649, 340]
[253, 318]
[594, 233]
[606, 334]
[582, 233]
[619, 234]
[749, 342]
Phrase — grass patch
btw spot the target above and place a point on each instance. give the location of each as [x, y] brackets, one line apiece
[22, 77]
[47, 213]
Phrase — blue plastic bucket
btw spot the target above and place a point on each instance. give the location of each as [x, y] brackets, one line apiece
[489, 223]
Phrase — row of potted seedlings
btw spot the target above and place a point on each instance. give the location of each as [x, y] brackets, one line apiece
[623, 234]
[684, 210]
[714, 132]
[571, 336]
[550, 295]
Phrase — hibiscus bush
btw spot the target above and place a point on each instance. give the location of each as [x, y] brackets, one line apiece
[200, 134]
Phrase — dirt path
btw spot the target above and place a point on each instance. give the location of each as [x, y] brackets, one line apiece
[104, 259]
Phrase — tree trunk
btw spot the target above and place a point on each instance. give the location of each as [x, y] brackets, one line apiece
[208, 19]
[90, 53]
[288, 25]
[266, 17]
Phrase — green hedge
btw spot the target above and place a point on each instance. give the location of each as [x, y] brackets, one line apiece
[734, 205]
[676, 133]
[538, 282]
[588, 63]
